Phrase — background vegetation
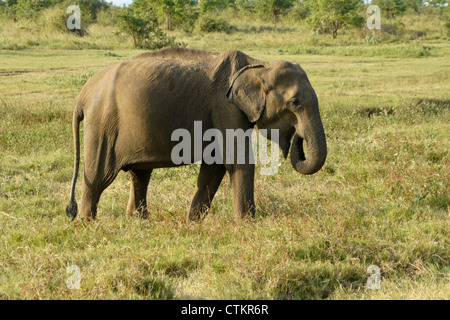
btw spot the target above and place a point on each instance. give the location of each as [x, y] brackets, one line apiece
[381, 199]
[151, 24]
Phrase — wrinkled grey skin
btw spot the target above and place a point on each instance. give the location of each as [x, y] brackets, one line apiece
[131, 108]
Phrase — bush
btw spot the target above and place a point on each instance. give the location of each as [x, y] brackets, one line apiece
[145, 35]
[89, 8]
[209, 24]
[187, 22]
[157, 39]
[55, 19]
[109, 16]
[328, 16]
[26, 9]
[298, 12]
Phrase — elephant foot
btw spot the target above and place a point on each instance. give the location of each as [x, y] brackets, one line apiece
[197, 215]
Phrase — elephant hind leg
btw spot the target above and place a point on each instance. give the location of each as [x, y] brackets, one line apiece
[138, 192]
[100, 170]
[91, 192]
[208, 182]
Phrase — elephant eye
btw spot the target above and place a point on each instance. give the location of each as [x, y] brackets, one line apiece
[295, 102]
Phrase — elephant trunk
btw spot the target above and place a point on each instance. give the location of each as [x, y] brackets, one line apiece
[316, 148]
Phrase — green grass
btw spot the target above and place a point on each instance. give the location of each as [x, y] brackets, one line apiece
[381, 199]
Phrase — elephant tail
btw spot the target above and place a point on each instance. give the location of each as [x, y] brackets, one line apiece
[72, 208]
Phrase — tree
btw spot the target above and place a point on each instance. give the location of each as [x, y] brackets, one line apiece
[169, 10]
[390, 8]
[299, 11]
[244, 5]
[437, 3]
[30, 8]
[332, 15]
[211, 5]
[272, 9]
[414, 5]
[91, 7]
[145, 35]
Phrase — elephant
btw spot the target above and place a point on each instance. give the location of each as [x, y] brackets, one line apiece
[130, 110]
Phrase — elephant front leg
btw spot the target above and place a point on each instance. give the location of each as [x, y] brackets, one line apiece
[242, 178]
[208, 182]
[137, 202]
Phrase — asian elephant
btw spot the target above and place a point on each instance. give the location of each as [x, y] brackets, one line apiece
[131, 109]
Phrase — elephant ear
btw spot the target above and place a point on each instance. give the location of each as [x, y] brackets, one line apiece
[248, 93]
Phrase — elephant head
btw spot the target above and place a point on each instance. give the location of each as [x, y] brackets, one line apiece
[280, 96]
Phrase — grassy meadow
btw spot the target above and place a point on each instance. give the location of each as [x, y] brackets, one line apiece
[381, 199]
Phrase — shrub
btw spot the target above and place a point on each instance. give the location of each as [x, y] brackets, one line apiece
[109, 16]
[27, 9]
[55, 19]
[187, 22]
[89, 8]
[298, 12]
[329, 16]
[208, 24]
[145, 35]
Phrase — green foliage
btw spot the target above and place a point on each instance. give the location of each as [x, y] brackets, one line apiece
[390, 8]
[54, 19]
[323, 16]
[437, 3]
[88, 7]
[10, 3]
[332, 15]
[145, 34]
[169, 12]
[186, 21]
[244, 5]
[299, 11]
[272, 9]
[214, 5]
[207, 23]
[109, 16]
[414, 5]
[373, 39]
[30, 9]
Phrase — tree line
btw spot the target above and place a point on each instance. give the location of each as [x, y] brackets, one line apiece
[145, 20]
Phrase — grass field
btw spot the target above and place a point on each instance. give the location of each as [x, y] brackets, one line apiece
[382, 198]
